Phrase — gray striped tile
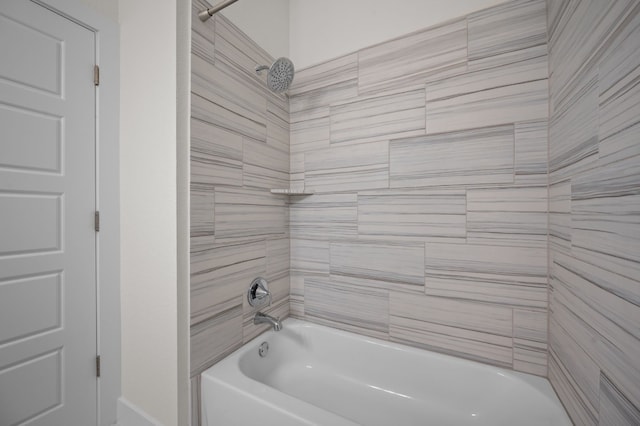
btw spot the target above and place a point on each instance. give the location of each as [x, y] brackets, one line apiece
[605, 206]
[530, 341]
[228, 89]
[412, 215]
[348, 168]
[216, 155]
[469, 330]
[378, 117]
[264, 166]
[560, 216]
[220, 275]
[615, 408]
[575, 123]
[567, 391]
[469, 157]
[296, 295]
[330, 216]
[414, 58]
[278, 129]
[209, 112]
[202, 33]
[531, 152]
[619, 98]
[392, 266]
[514, 276]
[236, 50]
[215, 338]
[310, 256]
[310, 134]
[248, 213]
[459, 108]
[202, 210]
[508, 215]
[330, 73]
[509, 27]
[348, 306]
[278, 259]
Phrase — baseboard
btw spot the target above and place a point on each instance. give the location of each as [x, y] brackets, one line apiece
[130, 415]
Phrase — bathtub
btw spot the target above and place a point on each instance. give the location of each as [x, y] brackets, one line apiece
[316, 375]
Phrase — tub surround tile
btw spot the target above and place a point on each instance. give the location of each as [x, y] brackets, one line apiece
[215, 338]
[343, 304]
[249, 214]
[412, 215]
[239, 149]
[278, 128]
[398, 266]
[560, 222]
[310, 134]
[503, 104]
[235, 49]
[575, 123]
[508, 216]
[511, 276]
[278, 258]
[378, 117]
[202, 33]
[530, 341]
[512, 26]
[309, 256]
[216, 155]
[330, 216]
[413, 59]
[615, 408]
[202, 231]
[568, 392]
[531, 141]
[470, 157]
[296, 295]
[209, 112]
[469, 330]
[220, 275]
[348, 168]
[228, 89]
[264, 166]
[325, 74]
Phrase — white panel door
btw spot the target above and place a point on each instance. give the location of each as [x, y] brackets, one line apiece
[47, 204]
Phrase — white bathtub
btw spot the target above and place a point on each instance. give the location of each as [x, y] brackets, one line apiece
[315, 375]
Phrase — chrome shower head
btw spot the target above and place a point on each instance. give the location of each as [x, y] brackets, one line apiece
[280, 74]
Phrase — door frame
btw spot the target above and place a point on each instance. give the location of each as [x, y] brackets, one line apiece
[107, 197]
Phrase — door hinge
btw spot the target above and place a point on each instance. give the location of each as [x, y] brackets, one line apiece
[96, 75]
[96, 221]
[98, 366]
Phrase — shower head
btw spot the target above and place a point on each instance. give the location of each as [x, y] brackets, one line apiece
[280, 74]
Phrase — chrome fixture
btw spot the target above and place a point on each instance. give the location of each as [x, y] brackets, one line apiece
[261, 318]
[280, 74]
[258, 293]
[263, 349]
[208, 13]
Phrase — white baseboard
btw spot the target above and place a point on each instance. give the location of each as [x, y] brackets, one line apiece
[130, 415]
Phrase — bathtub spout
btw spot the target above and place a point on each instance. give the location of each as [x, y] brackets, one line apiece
[261, 318]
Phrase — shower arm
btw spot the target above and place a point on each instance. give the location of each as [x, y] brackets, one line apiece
[208, 13]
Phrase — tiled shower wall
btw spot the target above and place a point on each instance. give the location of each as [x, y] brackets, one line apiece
[239, 230]
[427, 156]
[594, 151]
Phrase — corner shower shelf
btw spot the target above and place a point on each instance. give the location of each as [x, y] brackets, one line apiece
[292, 191]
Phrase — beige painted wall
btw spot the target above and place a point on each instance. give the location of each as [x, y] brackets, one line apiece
[148, 206]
